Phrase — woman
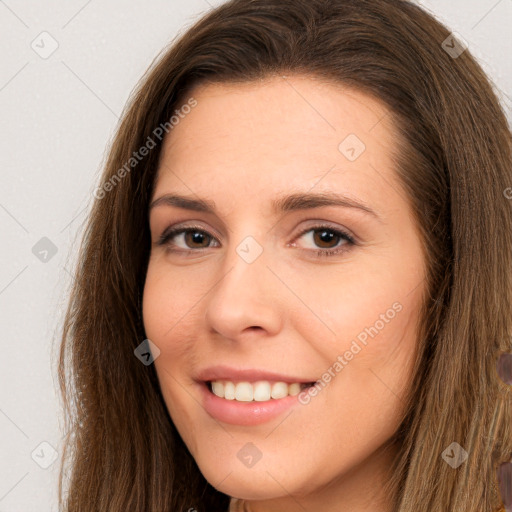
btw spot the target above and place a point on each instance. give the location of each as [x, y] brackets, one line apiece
[251, 371]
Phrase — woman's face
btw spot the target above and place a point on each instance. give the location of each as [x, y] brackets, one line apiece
[302, 264]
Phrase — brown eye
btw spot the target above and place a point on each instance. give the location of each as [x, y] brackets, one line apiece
[324, 238]
[182, 239]
[197, 237]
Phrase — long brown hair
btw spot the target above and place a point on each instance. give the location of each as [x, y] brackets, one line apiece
[123, 452]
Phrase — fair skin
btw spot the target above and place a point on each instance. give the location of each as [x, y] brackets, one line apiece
[289, 311]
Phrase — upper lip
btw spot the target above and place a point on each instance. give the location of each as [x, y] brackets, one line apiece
[222, 372]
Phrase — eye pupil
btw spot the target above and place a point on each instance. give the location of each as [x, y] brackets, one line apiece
[324, 236]
[196, 237]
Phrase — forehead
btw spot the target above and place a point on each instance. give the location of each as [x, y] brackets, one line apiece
[305, 108]
[278, 133]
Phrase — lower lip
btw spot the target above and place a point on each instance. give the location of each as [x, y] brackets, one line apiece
[244, 413]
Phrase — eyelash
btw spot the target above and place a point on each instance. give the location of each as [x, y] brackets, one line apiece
[350, 241]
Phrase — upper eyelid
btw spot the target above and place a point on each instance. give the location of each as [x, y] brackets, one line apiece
[178, 229]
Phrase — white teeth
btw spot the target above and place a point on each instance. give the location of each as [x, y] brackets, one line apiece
[279, 390]
[218, 388]
[260, 391]
[294, 389]
[244, 392]
[229, 391]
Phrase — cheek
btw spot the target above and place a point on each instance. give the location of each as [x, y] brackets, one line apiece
[155, 302]
[340, 310]
[164, 311]
[170, 321]
[168, 300]
[371, 350]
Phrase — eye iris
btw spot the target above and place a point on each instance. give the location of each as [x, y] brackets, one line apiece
[324, 236]
[195, 237]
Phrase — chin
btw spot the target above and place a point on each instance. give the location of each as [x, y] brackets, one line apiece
[264, 481]
[248, 487]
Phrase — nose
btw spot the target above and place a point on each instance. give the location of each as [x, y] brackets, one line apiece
[245, 299]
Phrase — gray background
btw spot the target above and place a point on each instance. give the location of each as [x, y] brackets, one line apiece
[58, 113]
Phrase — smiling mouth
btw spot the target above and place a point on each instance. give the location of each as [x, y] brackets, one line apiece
[259, 391]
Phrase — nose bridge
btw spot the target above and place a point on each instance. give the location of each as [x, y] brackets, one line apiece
[246, 257]
[242, 297]
[245, 272]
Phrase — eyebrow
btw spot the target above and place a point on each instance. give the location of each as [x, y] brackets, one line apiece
[293, 202]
